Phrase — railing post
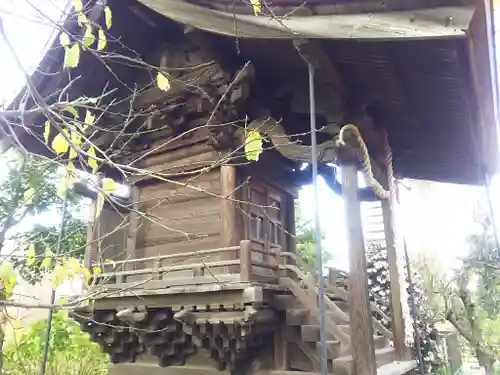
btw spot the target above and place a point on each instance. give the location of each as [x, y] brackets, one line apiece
[360, 317]
[245, 260]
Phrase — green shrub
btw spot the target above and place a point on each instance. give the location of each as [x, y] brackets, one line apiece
[70, 351]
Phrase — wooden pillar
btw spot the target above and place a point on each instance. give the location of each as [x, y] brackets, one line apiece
[231, 227]
[133, 227]
[360, 317]
[230, 220]
[395, 276]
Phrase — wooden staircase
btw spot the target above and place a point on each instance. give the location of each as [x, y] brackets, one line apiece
[302, 318]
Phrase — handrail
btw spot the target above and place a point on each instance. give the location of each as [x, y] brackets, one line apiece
[376, 323]
[170, 256]
[182, 267]
[336, 310]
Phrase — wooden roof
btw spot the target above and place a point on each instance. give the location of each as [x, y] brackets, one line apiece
[435, 95]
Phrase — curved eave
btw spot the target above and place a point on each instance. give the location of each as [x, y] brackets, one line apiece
[431, 23]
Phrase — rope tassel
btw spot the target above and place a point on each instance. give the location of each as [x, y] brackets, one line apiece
[366, 167]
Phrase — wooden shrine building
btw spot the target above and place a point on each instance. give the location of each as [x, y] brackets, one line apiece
[200, 265]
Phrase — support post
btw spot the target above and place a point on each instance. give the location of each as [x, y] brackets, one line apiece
[246, 261]
[230, 230]
[360, 317]
[230, 227]
[395, 276]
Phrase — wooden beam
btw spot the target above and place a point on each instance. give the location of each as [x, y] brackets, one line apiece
[360, 317]
[395, 275]
[428, 23]
[231, 228]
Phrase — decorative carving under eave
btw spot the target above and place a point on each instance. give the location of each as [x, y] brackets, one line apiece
[232, 337]
[232, 340]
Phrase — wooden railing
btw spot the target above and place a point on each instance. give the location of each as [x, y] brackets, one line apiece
[234, 263]
[336, 284]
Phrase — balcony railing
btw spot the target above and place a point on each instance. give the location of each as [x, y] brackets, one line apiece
[248, 262]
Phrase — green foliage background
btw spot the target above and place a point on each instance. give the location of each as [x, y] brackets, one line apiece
[70, 351]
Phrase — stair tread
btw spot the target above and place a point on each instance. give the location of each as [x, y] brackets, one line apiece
[349, 357]
[396, 368]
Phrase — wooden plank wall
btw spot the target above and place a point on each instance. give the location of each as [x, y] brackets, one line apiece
[180, 218]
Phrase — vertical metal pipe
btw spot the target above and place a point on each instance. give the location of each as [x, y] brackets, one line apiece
[46, 343]
[317, 227]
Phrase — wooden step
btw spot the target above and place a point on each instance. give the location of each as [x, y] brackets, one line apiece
[397, 368]
[345, 364]
[332, 349]
[310, 334]
[296, 317]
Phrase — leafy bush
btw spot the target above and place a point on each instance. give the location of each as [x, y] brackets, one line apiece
[70, 351]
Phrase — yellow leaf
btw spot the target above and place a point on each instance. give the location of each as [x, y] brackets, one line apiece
[88, 37]
[101, 40]
[99, 204]
[64, 39]
[86, 274]
[62, 300]
[253, 145]
[108, 185]
[47, 260]
[60, 144]
[30, 255]
[92, 161]
[67, 180]
[8, 277]
[89, 120]
[162, 81]
[28, 196]
[72, 110]
[46, 132]
[96, 270]
[256, 6]
[82, 19]
[59, 274]
[78, 4]
[76, 140]
[108, 17]
[72, 56]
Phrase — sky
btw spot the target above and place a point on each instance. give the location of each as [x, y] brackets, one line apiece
[435, 218]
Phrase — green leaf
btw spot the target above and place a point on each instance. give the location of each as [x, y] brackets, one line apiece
[256, 6]
[46, 132]
[108, 16]
[60, 144]
[8, 277]
[28, 196]
[101, 40]
[30, 255]
[253, 145]
[162, 81]
[92, 161]
[64, 39]
[88, 37]
[72, 56]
